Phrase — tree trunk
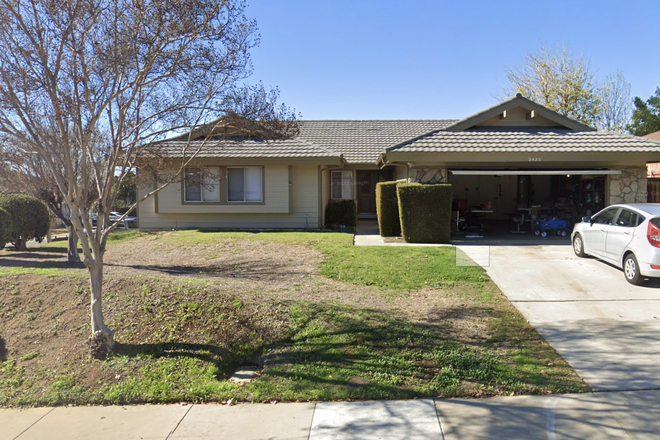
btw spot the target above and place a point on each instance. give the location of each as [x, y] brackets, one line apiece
[20, 244]
[102, 340]
[72, 251]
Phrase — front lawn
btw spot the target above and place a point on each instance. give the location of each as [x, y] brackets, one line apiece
[322, 320]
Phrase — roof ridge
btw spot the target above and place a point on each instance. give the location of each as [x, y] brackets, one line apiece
[377, 120]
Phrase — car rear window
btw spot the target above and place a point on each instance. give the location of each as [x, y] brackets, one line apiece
[641, 218]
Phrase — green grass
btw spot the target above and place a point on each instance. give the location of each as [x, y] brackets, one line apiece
[398, 268]
[179, 340]
[119, 236]
[319, 239]
[49, 272]
[329, 352]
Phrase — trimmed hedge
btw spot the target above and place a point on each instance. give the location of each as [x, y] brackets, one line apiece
[387, 208]
[29, 219]
[425, 212]
[5, 227]
[341, 212]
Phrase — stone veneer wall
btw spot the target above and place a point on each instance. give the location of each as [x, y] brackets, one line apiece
[629, 186]
[428, 175]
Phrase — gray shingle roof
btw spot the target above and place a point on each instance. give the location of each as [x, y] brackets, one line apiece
[528, 139]
[289, 148]
[362, 142]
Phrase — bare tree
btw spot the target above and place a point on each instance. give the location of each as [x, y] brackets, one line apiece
[559, 80]
[616, 104]
[87, 85]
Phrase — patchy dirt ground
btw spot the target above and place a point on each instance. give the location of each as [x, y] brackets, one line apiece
[154, 289]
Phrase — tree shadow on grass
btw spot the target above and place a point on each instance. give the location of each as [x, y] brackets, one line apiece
[36, 255]
[203, 352]
[36, 261]
[367, 348]
[245, 269]
[52, 250]
[3, 350]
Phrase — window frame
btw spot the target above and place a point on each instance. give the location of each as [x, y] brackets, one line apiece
[636, 218]
[595, 219]
[262, 188]
[216, 183]
[341, 186]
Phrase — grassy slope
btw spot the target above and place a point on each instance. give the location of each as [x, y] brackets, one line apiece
[183, 338]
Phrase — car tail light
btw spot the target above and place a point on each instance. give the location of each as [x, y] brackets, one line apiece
[653, 233]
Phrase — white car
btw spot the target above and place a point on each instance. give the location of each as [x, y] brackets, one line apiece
[114, 217]
[626, 235]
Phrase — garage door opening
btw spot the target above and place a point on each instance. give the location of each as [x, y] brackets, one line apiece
[505, 201]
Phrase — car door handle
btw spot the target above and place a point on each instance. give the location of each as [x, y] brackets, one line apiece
[627, 233]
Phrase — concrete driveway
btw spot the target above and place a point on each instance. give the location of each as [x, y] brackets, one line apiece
[607, 329]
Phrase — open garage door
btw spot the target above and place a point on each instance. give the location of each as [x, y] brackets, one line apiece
[540, 194]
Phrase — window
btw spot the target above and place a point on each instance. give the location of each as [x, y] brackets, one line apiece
[605, 217]
[342, 185]
[202, 184]
[629, 218]
[245, 184]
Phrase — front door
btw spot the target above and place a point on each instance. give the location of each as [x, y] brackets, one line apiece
[366, 191]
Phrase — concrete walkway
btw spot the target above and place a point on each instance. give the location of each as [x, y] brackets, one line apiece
[607, 329]
[621, 415]
[368, 234]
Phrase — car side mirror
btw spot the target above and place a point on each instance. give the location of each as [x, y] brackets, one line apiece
[587, 219]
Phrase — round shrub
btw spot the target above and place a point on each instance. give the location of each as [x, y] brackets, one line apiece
[29, 219]
[5, 227]
[341, 212]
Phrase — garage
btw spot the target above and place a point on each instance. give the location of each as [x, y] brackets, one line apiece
[514, 200]
[517, 163]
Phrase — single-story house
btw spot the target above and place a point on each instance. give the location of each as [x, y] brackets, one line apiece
[517, 153]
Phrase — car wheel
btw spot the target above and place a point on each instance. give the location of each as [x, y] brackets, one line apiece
[631, 270]
[578, 245]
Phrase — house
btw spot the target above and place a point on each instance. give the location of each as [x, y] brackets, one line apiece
[654, 136]
[517, 153]
[653, 173]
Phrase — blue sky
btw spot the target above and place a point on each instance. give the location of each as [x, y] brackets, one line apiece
[423, 59]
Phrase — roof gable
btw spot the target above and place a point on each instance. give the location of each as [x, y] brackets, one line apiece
[520, 112]
[526, 140]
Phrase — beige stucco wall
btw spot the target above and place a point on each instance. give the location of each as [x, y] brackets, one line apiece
[325, 194]
[283, 207]
[518, 117]
[400, 172]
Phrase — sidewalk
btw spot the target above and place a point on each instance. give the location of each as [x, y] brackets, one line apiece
[621, 415]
